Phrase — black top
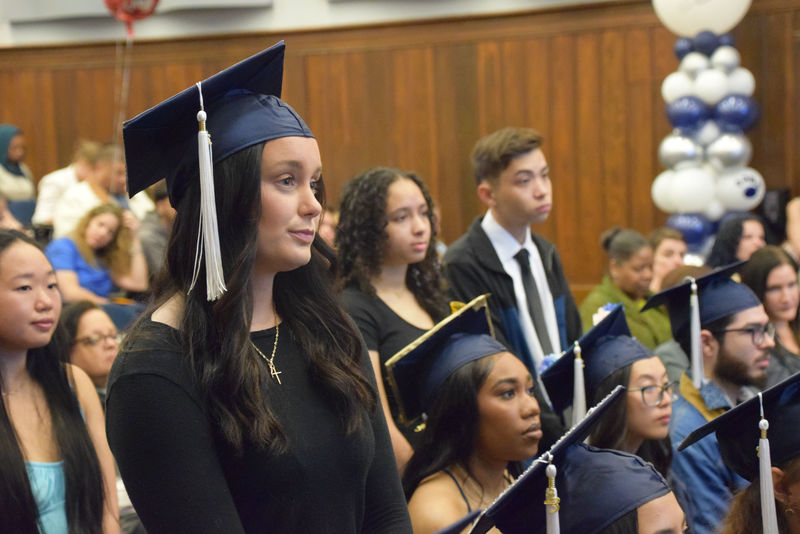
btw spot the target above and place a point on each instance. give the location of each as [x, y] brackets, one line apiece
[384, 332]
[182, 477]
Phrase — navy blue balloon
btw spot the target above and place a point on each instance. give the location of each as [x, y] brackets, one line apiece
[706, 42]
[727, 39]
[736, 112]
[682, 47]
[687, 112]
[695, 227]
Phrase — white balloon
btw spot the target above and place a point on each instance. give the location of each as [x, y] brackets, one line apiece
[730, 151]
[687, 18]
[694, 63]
[740, 189]
[725, 58]
[715, 210]
[711, 86]
[691, 190]
[707, 133]
[659, 191]
[676, 85]
[741, 82]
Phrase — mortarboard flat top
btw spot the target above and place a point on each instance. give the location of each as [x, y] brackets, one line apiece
[461, 524]
[738, 433]
[596, 486]
[608, 346]
[243, 107]
[416, 371]
[718, 296]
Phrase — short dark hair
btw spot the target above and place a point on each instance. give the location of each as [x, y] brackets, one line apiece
[621, 243]
[493, 153]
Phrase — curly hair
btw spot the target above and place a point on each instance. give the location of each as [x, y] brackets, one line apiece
[361, 239]
[723, 252]
[117, 254]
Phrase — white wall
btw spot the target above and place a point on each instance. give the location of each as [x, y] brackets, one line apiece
[282, 15]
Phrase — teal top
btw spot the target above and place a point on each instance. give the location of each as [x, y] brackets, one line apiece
[49, 491]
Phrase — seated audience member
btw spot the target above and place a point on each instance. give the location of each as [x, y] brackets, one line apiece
[675, 360]
[327, 225]
[639, 423]
[627, 281]
[743, 447]
[156, 227]
[733, 352]
[772, 275]
[586, 490]
[94, 190]
[7, 219]
[16, 179]
[56, 183]
[102, 252]
[792, 243]
[669, 248]
[737, 239]
[57, 473]
[390, 273]
[481, 421]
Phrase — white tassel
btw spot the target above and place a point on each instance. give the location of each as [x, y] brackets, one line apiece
[209, 246]
[769, 520]
[551, 501]
[698, 373]
[578, 388]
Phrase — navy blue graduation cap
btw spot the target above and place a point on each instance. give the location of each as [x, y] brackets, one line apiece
[416, 372]
[608, 346]
[182, 138]
[574, 487]
[714, 296]
[757, 434]
[460, 525]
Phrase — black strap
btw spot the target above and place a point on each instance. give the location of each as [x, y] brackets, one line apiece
[534, 301]
[461, 491]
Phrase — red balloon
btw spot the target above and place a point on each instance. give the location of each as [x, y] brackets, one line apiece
[128, 11]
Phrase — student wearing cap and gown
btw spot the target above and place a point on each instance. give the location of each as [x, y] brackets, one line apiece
[575, 488]
[775, 452]
[481, 417]
[732, 352]
[243, 400]
[639, 422]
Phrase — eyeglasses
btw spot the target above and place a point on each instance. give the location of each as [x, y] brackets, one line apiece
[95, 339]
[653, 395]
[757, 332]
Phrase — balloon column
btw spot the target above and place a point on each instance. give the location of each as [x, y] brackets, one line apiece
[709, 102]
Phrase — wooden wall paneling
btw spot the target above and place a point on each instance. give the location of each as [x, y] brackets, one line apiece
[490, 87]
[534, 71]
[614, 109]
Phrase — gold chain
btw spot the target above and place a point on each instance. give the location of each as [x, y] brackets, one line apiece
[272, 370]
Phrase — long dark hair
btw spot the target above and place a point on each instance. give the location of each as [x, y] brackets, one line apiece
[83, 480]
[451, 427]
[611, 431]
[361, 239]
[71, 318]
[756, 271]
[216, 335]
[723, 252]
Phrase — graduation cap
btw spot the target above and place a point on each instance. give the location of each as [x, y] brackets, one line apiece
[608, 346]
[709, 297]
[234, 109]
[417, 371]
[461, 524]
[574, 487]
[757, 434]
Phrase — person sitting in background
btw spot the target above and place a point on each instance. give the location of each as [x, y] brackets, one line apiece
[327, 225]
[737, 239]
[390, 273]
[57, 473]
[630, 271]
[16, 178]
[94, 190]
[56, 183]
[669, 248]
[772, 275]
[156, 227]
[103, 251]
[7, 219]
[792, 243]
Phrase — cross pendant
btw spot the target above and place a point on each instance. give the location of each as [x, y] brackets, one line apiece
[274, 372]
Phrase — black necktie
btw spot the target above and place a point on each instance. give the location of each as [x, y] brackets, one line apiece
[534, 302]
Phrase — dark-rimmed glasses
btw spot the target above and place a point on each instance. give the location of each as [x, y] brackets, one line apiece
[95, 339]
[757, 332]
[653, 395]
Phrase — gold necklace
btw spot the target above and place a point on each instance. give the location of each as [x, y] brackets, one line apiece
[272, 369]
